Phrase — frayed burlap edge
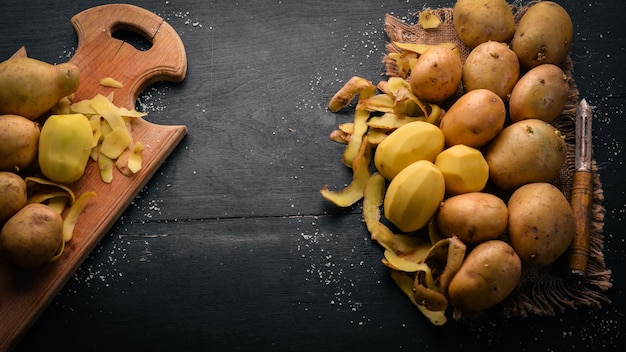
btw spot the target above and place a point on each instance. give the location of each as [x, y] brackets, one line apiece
[542, 291]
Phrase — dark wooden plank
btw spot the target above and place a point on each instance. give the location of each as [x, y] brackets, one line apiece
[214, 252]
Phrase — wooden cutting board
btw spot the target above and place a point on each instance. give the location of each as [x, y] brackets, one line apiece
[24, 294]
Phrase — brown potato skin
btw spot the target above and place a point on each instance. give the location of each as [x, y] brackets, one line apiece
[13, 195]
[489, 273]
[474, 119]
[491, 65]
[541, 94]
[32, 236]
[543, 36]
[541, 223]
[473, 217]
[524, 152]
[20, 138]
[436, 74]
[478, 21]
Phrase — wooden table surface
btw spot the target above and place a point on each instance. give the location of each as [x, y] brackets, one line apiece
[230, 246]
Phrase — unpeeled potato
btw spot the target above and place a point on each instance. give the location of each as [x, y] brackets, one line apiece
[524, 152]
[12, 194]
[491, 65]
[478, 21]
[541, 94]
[489, 273]
[541, 223]
[544, 35]
[474, 119]
[20, 138]
[32, 237]
[473, 217]
[436, 74]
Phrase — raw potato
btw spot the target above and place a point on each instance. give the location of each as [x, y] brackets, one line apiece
[12, 195]
[541, 223]
[436, 74]
[543, 35]
[32, 237]
[20, 138]
[29, 87]
[474, 119]
[409, 143]
[491, 65]
[489, 273]
[540, 94]
[464, 169]
[478, 21]
[524, 152]
[473, 217]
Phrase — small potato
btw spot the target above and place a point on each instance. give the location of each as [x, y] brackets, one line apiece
[489, 273]
[491, 65]
[12, 195]
[541, 94]
[20, 138]
[524, 152]
[473, 217]
[543, 36]
[541, 223]
[474, 119]
[436, 74]
[32, 237]
[478, 21]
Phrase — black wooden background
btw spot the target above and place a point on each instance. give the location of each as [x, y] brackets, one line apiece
[230, 246]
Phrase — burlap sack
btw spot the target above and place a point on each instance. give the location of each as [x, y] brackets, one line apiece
[542, 290]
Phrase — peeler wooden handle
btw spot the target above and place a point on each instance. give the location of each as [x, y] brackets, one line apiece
[582, 196]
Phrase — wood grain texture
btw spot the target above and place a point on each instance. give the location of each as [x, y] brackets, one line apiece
[25, 293]
[229, 247]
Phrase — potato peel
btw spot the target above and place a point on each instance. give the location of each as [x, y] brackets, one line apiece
[360, 174]
[405, 283]
[69, 222]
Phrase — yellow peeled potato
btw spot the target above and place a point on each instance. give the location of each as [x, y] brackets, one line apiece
[464, 169]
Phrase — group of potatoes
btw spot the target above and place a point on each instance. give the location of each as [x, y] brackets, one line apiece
[32, 230]
[513, 88]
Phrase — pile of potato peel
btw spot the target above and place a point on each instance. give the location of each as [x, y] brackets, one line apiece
[436, 261]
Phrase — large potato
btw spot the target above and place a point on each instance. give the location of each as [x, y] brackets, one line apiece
[541, 94]
[12, 195]
[489, 273]
[436, 74]
[543, 35]
[541, 223]
[29, 87]
[524, 152]
[478, 21]
[474, 119]
[32, 237]
[473, 217]
[20, 138]
[491, 65]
